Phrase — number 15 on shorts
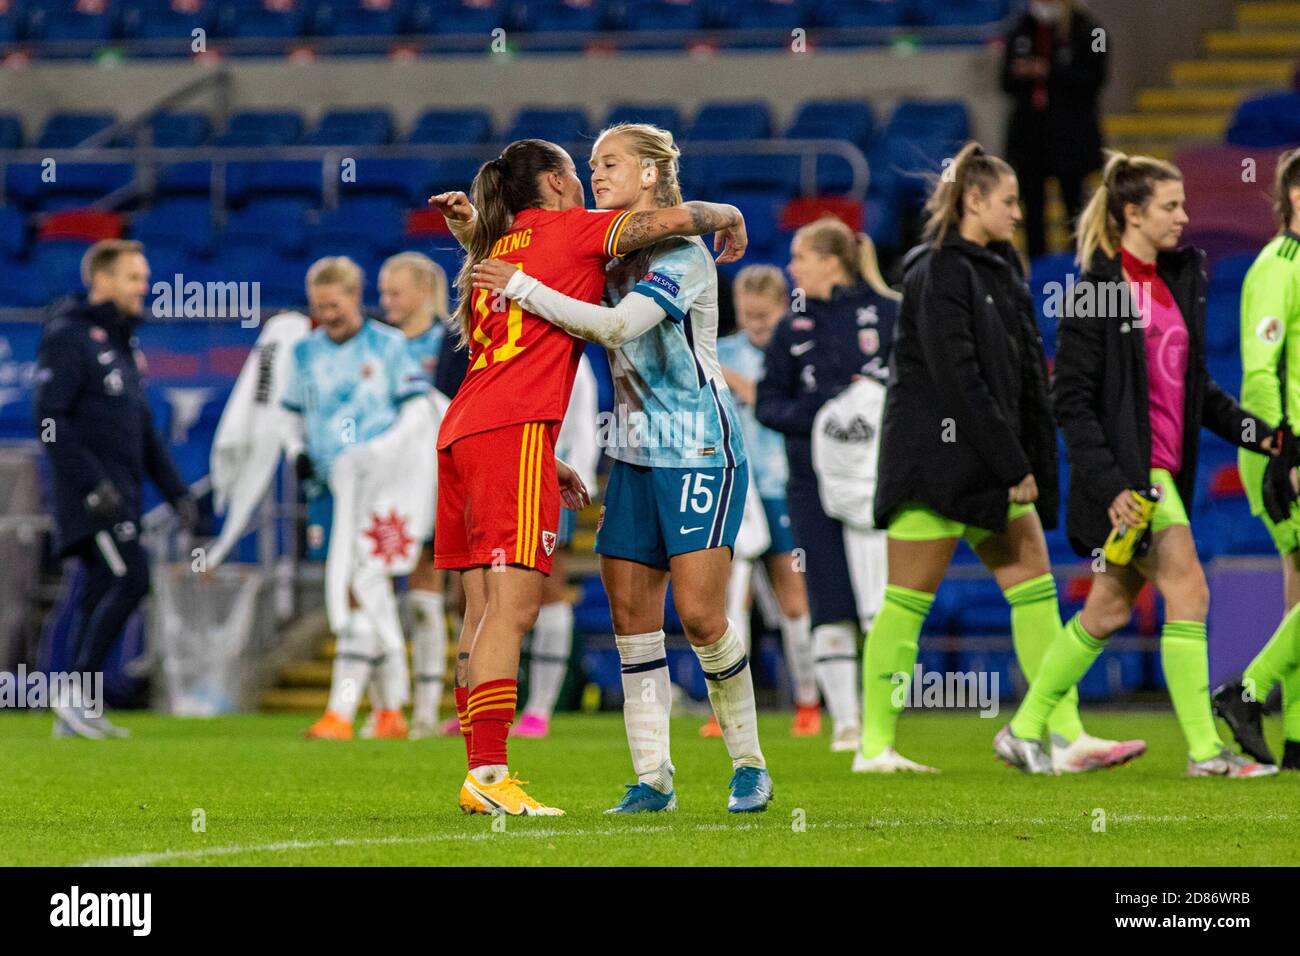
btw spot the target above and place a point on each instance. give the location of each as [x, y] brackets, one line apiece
[698, 494]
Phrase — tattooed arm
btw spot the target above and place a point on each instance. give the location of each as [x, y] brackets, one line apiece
[693, 218]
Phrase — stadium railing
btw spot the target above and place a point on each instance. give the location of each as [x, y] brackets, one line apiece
[149, 163]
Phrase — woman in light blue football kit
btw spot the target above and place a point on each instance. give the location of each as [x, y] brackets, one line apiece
[676, 492]
[762, 300]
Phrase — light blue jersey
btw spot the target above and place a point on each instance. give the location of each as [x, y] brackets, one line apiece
[349, 392]
[766, 448]
[425, 348]
[672, 407]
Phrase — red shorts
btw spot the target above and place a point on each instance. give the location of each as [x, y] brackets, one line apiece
[498, 499]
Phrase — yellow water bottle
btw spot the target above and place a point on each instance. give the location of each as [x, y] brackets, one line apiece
[1124, 542]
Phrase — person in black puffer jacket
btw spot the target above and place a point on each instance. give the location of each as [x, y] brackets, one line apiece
[845, 331]
[92, 414]
[968, 448]
[1131, 392]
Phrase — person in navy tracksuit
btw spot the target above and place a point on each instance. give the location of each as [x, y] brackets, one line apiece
[92, 415]
[844, 331]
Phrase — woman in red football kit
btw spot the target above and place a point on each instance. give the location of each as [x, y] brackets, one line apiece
[499, 485]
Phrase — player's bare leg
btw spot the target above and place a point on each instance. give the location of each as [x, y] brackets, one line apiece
[512, 598]
[551, 647]
[699, 591]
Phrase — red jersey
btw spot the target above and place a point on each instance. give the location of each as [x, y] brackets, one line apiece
[521, 367]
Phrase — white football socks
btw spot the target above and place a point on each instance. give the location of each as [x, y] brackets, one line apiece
[799, 659]
[428, 651]
[835, 658]
[731, 692]
[354, 653]
[738, 598]
[549, 660]
[647, 700]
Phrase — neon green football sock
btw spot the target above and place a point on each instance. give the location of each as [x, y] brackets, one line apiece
[1185, 658]
[1064, 663]
[1280, 656]
[1291, 705]
[891, 649]
[1035, 622]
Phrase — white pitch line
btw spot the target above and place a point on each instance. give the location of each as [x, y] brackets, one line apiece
[169, 856]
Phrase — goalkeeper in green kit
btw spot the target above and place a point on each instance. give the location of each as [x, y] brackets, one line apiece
[1270, 358]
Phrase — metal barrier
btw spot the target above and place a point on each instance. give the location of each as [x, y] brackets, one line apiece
[149, 161]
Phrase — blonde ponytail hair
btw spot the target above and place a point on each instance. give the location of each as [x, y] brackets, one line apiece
[971, 167]
[1124, 180]
[829, 236]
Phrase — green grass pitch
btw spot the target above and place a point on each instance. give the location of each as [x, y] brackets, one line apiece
[266, 796]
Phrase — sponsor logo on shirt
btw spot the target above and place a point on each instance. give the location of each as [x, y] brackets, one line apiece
[663, 282]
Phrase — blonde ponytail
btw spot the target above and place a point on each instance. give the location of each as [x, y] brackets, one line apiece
[1125, 180]
[829, 236]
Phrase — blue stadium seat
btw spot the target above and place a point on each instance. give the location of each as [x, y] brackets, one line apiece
[953, 13]
[360, 17]
[11, 131]
[733, 120]
[945, 120]
[278, 224]
[760, 211]
[1266, 121]
[181, 224]
[457, 17]
[834, 119]
[184, 179]
[861, 13]
[160, 20]
[63, 130]
[664, 115]
[353, 127]
[283, 20]
[762, 15]
[261, 128]
[659, 17]
[776, 174]
[74, 183]
[51, 20]
[1230, 271]
[563, 126]
[13, 232]
[173, 131]
[290, 177]
[13, 23]
[449, 174]
[406, 180]
[553, 16]
[376, 223]
[60, 261]
[884, 219]
[452, 127]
